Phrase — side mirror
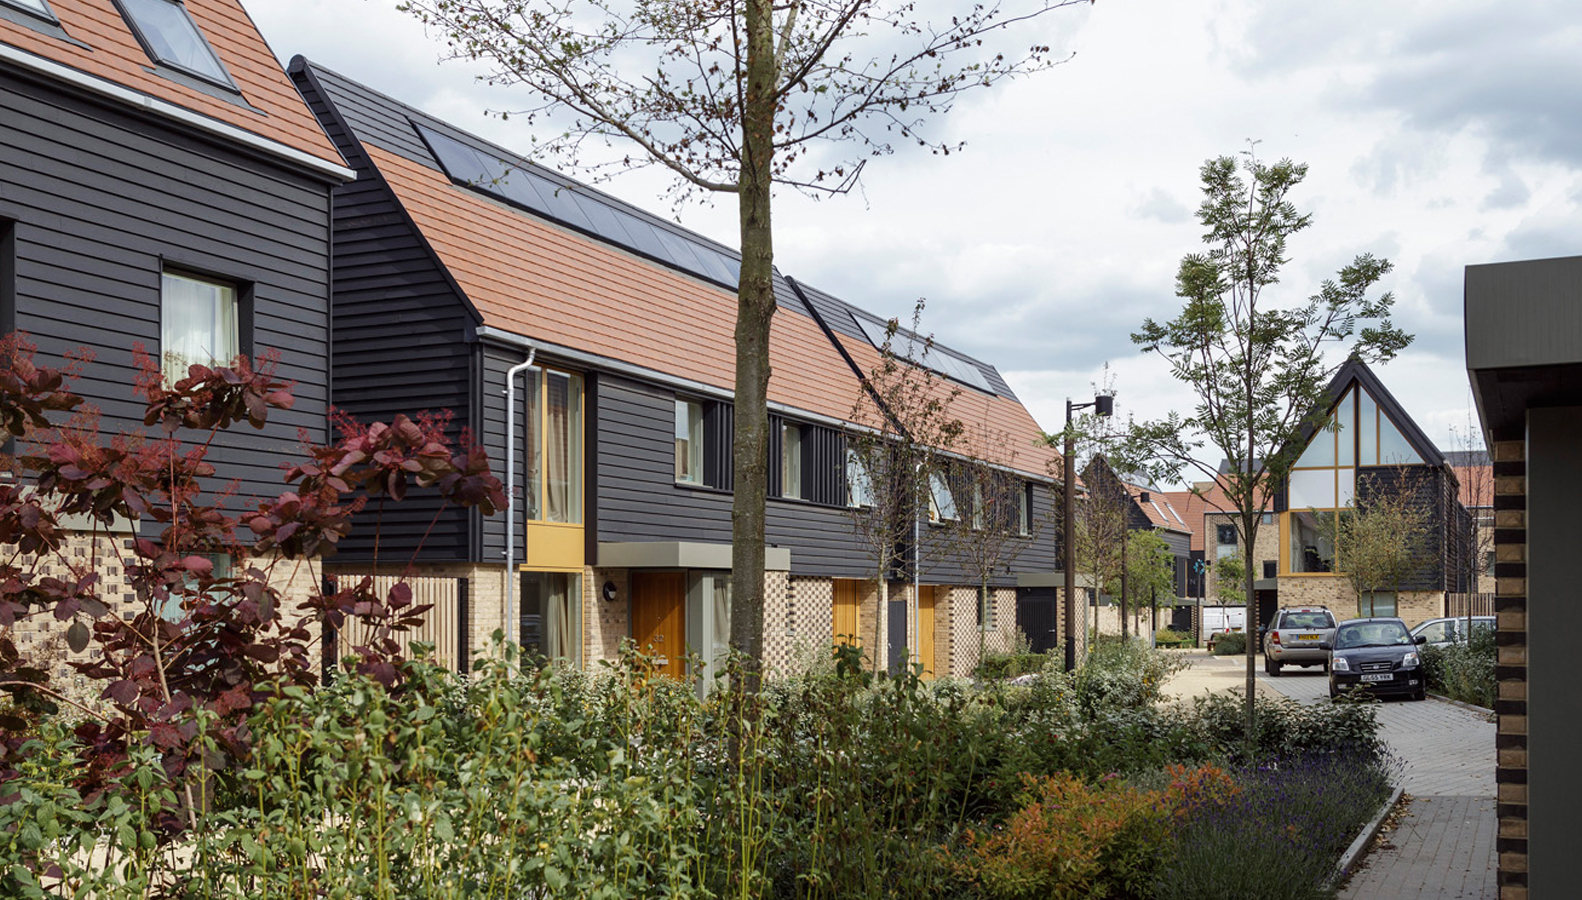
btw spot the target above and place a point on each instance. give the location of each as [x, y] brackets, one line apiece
[1324, 645]
[1421, 639]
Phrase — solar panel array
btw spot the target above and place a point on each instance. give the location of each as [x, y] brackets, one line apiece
[516, 182]
[934, 358]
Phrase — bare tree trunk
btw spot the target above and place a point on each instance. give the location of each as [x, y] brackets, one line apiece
[755, 307]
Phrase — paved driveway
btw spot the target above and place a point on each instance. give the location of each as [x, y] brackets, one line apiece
[1444, 846]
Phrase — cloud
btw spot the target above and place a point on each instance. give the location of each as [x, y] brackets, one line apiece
[1161, 206]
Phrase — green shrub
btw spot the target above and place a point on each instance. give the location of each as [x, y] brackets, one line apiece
[1000, 666]
[1166, 637]
[1464, 670]
[1231, 644]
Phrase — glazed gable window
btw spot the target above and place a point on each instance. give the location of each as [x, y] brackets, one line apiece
[171, 38]
[200, 323]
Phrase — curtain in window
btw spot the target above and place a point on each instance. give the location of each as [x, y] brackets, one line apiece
[557, 448]
[199, 324]
[721, 638]
[551, 624]
[532, 454]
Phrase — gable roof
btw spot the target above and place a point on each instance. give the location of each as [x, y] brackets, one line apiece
[94, 49]
[1157, 507]
[543, 257]
[1356, 372]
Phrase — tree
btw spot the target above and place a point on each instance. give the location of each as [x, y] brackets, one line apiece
[1476, 476]
[1258, 362]
[1380, 542]
[1101, 527]
[997, 524]
[1150, 571]
[735, 98]
[903, 431]
[181, 668]
[1230, 581]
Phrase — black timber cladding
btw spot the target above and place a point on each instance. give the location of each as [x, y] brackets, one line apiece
[103, 199]
[400, 332]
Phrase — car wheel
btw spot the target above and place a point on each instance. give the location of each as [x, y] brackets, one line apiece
[1268, 667]
[1420, 694]
[1275, 667]
[1333, 694]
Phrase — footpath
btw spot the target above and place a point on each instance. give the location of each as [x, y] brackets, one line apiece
[1443, 844]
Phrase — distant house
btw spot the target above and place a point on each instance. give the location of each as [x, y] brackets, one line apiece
[464, 271]
[1145, 508]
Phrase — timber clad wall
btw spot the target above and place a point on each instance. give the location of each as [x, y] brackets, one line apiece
[1510, 671]
[102, 200]
[400, 334]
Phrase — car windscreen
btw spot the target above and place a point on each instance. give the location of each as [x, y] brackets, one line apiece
[1372, 634]
[1309, 620]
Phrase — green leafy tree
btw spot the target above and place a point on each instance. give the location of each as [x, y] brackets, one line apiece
[1257, 359]
[1230, 581]
[735, 98]
[1150, 572]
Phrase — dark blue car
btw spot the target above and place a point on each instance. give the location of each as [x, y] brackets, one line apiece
[1379, 654]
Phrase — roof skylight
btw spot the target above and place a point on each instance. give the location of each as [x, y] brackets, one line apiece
[171, 38]
[524, 185]
[36, 7]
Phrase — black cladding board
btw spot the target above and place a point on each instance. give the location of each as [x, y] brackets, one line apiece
[103, 199]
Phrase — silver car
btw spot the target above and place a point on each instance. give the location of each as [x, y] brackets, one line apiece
[1294, 636]
[1442, 632]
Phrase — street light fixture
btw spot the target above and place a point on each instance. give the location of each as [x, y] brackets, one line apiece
[1103, 405]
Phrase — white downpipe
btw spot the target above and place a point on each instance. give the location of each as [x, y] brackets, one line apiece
[510, 488]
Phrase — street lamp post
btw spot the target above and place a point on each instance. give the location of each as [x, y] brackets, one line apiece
[1103, 405]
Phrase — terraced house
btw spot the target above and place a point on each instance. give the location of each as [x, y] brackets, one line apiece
[163, 185]
[592, 343]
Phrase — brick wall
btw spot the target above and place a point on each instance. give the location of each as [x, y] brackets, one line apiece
[1267, 546]
[605, 624]
[1510, 705]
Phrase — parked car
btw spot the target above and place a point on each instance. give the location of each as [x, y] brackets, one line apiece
[1379, 654]
[1294, 637]
[1441, 632]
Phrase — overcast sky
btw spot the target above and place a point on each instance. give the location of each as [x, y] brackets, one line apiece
[1439, 134]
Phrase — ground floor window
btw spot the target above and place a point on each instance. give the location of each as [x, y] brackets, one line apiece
[551, 622]
[1376, 603]
[1312, 541]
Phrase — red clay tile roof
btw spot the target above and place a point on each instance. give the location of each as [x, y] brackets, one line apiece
[1477, 485]
[1193, 506]
[1159, 509]
[115, 55]
[530, 277]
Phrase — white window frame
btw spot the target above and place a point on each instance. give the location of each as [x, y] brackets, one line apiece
[791, 461]
[211, 350]
[937, 511]
[689, 429]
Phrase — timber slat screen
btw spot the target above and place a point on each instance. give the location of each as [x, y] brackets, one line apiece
[444, 626]
[1456, 604]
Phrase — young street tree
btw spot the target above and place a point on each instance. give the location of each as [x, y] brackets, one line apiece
[997, 524]
[904, 429]
[1257, 360]
[1101, 527]
[1380, 541]
[735, 98]
[1150, 573]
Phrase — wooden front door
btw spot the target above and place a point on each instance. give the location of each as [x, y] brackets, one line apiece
[846, 612]
[659, 623]
[925, 630]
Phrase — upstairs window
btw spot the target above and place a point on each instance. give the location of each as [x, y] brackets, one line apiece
[689, 442]
[941, 502]
[552, 446]
[791, 461]
[859, 487]
[1024, 521]
[171, 38]
[36, 7]
[200, 324]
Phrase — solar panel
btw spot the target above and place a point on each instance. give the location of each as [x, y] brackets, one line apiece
[944, 363]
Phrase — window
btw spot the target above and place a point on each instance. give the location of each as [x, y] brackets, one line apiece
[1376, 603]
[987, 617]
[859, 488]
[977, 505]
[791, 461]
[172, 39]
[36, 7]
[1312, 546]
[1271, 568]
[551, 625]
[1488, 562]
[1227, 534]
[170, 609]
[689, 442]
[552, 446]
[941, 502]
[1025, 520]
[200, 324]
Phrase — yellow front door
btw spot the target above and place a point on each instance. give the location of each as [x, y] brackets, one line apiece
[659, 624]
[925, 630]
[845, 621]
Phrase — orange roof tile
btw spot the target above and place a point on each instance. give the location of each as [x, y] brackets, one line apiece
[1160, 511]
[1476, 485]
[115, 55]
[531, 277]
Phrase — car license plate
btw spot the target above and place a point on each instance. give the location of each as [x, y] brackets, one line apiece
[1307, 637]
[1378, 676]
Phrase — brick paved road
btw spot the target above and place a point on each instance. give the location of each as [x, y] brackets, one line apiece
[1444, 847]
